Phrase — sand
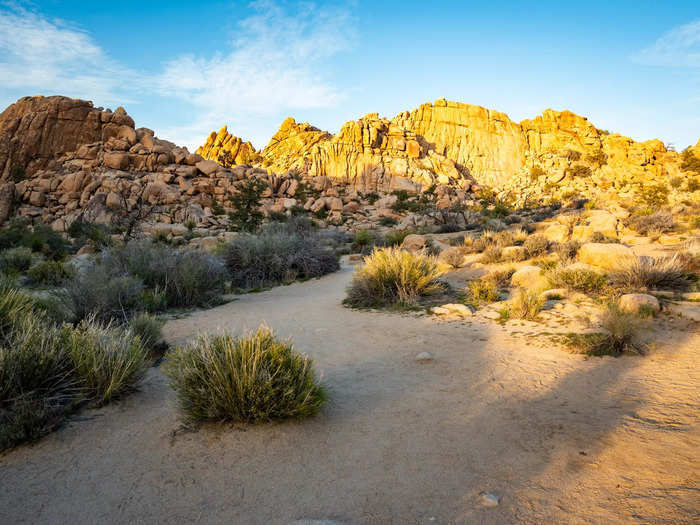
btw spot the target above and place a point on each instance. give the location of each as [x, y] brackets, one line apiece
[553, 437]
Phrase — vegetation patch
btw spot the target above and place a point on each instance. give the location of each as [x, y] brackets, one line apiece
[618, 337]
[644, 273]
[253, 379]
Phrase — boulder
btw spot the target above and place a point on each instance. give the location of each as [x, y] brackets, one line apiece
[636, 302]
[604, 255]
[527, 277]
[116, 160]
[414, 242]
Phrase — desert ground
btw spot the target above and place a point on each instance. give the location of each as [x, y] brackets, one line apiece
[499, 410]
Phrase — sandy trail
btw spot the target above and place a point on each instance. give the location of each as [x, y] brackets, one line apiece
[560, 438]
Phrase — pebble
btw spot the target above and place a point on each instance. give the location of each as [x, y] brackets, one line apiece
[424, 357]
[490, 500]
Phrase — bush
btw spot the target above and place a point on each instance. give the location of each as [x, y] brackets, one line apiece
[391, 276]
[362, 240]
[578, 170]
[149, 329]
[535, 245]
[271, 258]
[618, 336]
[572, 155]
[536, 172]
[567, 251]
[251, 379]
[585, 281]
[526, 304]
[15, 260]
[109, 361]
[396, 237]
[481, 291]
[49, 273]
[689, 161]
[643, 273]
[655, 195]
[387, 221]
[598, 158]
[84, 232]
[492, 254]
[656, 223]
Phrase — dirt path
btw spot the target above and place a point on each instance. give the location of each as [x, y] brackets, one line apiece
[559, 438]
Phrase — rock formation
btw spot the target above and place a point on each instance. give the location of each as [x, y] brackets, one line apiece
[459, 144]
[228, 150]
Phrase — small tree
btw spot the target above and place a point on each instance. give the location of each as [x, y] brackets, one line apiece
[225, 158]
[246, 204]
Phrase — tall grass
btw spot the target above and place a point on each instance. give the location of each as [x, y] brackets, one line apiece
[618, 336]
[392, 276]
[643, 273]
[253, 379]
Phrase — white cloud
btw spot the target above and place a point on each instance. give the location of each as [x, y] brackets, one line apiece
[273, 65]
[680, 47]
[51, 57]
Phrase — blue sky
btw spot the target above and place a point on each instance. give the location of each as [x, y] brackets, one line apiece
[186, 68]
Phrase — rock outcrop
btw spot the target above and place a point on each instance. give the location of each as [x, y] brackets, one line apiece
[228, 150]
[460, 144]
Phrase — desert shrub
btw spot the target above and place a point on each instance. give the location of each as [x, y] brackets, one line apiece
[396, 237]
[526, 304]
[598, 158]
[567, 251]
[676, 182]
[617, 338]
[602, 238]
[270, 259]
[449, 227]
[15, 260]
[655, 195]
[148, 328]
[49, 273]
[253, 379]
[100, 291]
[452, 257]
[109, 361]
[656, 223]
[362, 240]
[693, 184]
[578, 170]
[391, 276]
[535, 245]
[492, 254]
[690, 161]
[246, 215]
[277, 216]
[643, 273]
[388, 221]
[585, 281]
[488, 288]
[85, 232]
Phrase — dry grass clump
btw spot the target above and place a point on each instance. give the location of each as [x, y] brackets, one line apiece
[644, 273]
[252, 379]
[618, 336]
[535, 245]
[567, 251]
[46, 372]
[654, 224]
[526, 304]
[492, 254]
[393, 277]
[487, 289]
[580, 280]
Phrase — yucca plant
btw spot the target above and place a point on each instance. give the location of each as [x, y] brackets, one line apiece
[392, 276]
[252, 379]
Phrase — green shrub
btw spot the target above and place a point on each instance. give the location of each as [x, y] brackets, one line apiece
[148, 328]
[655, 223]
[391, 276]
[252, 379]
[362, 240]
[15, 260]
[492, 254]
[387, 221]
[49, 273]
[277, 216]
[535, 245]
[109, 361]
[644, 273]
[617, 338]
[84, 232]
[396, 237]
[98, 290]
[273, 258]
[655, 195]
[585, 281]
[567, 251]
[481, 291]
[690, 161]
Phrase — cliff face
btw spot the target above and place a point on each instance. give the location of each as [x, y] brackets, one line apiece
[459, 144]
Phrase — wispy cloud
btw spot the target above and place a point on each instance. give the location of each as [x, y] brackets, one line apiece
[680, 47]
[41, 55]
[272, 65]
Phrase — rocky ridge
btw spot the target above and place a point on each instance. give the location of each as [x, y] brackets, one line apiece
[463, 146]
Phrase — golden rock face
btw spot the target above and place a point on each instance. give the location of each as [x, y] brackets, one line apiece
[453, 143]
[227, 149]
